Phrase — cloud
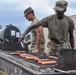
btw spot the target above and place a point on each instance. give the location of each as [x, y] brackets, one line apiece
[11, 11]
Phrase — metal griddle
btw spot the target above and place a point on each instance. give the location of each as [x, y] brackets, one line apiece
[32, 62]
[66, 64]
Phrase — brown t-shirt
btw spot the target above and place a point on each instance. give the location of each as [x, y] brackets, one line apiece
[58, 28]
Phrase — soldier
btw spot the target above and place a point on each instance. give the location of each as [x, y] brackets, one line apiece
[60, 28]
[37, 38]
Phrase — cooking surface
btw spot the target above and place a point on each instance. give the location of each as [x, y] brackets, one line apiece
[35, 66]
[31, 61]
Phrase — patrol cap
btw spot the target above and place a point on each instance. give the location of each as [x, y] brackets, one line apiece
[27, 11]
[60, 5]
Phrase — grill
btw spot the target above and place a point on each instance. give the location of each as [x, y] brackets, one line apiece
[32, 61]
[30, 66]
[16, 65]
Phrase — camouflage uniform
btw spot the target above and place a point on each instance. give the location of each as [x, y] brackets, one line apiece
[52, 48]
[41, 48]
[34, 39]
[58, 29]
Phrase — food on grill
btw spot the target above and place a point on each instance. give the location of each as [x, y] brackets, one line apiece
[25, 55]
[30, 57]
[37, 59]
[20, 51]
[14, 53]
[53, 57]
[48, 62]
[42, 60]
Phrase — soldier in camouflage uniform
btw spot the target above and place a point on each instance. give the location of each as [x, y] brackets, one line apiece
[37, 38]
[63, 37]
[60, 28]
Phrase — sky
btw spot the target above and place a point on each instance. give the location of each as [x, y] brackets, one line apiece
[11, 11]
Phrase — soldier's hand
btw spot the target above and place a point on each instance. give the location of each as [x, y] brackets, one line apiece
[20, 38]
[36, 50]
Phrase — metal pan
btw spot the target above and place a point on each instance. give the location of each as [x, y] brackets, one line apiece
[67, 59]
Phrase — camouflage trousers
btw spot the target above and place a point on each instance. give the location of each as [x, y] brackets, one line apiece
[41, 48]
[53, 48]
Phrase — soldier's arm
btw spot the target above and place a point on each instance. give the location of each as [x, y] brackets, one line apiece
[71, 38]
[30, 28]
[43, 22]
[39, 36]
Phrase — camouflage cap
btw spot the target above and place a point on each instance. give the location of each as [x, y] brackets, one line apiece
[60, 5]
[27, 10]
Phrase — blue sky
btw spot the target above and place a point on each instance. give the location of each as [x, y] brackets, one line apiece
[11, 11]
